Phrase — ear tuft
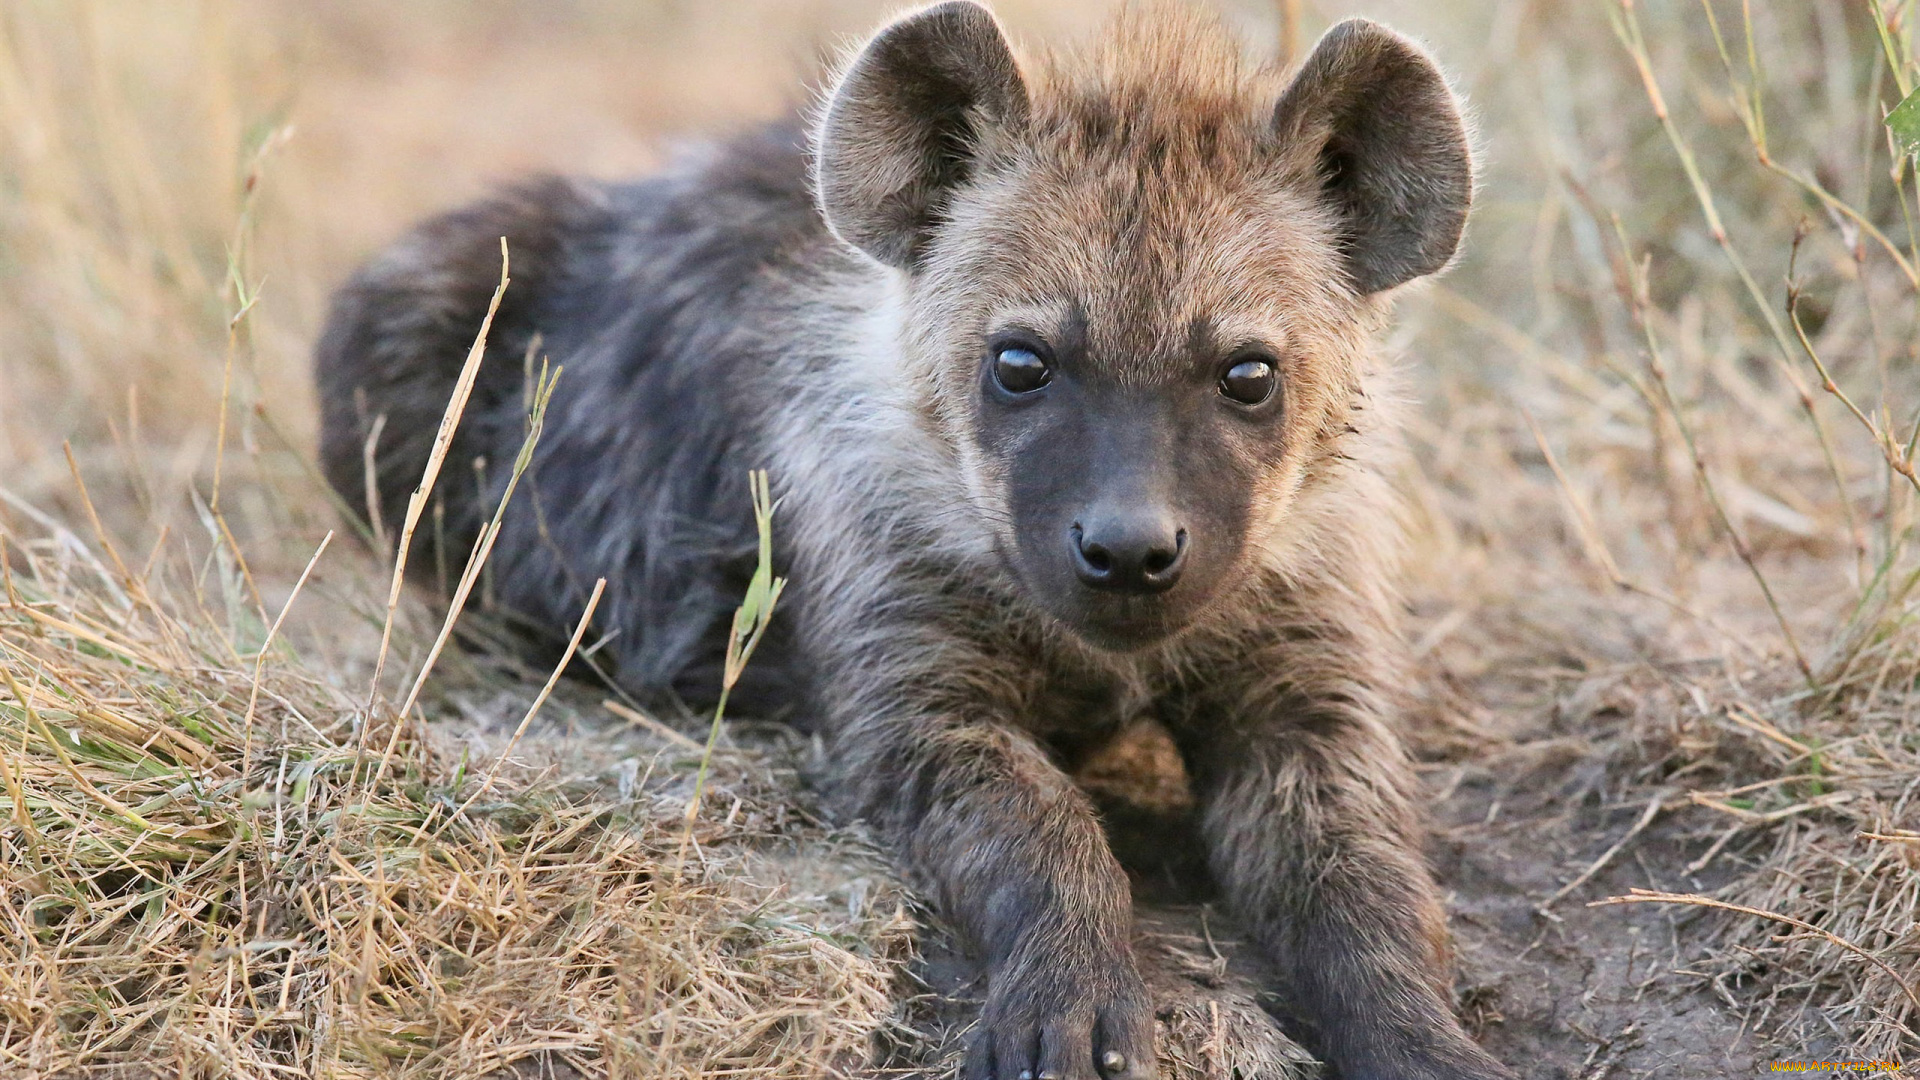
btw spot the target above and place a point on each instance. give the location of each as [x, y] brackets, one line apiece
[1389, 146]
[903, 125]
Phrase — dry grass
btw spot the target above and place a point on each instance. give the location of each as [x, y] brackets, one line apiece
[1664, 523]
[198, 876]
[1707, 495]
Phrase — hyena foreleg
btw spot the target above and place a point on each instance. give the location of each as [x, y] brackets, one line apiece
[1014, 857]
[1311, 837]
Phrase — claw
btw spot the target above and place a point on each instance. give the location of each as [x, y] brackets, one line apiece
[1113, 1062]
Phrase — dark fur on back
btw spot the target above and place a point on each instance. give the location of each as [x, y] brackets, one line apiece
[1185, 515]
[643, 293]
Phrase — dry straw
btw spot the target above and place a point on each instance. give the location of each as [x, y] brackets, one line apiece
[191, 882]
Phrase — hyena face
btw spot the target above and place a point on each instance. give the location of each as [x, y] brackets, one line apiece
[1137, 284]
[1131, 375]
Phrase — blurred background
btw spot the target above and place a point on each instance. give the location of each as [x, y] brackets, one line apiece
[164, 165]
[1662, 568]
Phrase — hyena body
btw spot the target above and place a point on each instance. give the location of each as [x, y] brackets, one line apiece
[1062, 370]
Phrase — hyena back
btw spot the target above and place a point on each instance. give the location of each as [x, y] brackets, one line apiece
[1062, 368]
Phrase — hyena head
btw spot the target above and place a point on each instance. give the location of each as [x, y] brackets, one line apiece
[1137, 285]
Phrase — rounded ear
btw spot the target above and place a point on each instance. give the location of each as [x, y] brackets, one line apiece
[906, 121]
[1385, 136]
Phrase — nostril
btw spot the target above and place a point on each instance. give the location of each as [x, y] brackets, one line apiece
[1162, 559]
[1095, 560]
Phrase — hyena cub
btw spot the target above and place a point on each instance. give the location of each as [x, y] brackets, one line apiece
[1061, 366]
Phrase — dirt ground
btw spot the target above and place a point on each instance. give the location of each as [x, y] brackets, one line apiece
[1574, 992]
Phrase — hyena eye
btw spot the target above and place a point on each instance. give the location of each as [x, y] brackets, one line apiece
[1249, 380]
[1019, 368]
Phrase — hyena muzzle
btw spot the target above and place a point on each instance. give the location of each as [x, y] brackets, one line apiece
[1062, 368]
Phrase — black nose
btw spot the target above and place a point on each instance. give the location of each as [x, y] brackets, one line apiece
[1130, 553]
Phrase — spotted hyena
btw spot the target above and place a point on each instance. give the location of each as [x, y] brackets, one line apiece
[1063, 369]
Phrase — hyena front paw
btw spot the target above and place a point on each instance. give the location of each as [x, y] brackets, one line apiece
[1051, 1018]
